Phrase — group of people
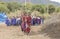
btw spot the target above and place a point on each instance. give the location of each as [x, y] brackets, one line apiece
[25, 21]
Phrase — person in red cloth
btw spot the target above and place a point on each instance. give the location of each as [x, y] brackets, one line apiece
[23, 17]
[28, 18]
[28, 23]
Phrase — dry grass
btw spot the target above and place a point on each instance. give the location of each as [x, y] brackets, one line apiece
[52, 27]
[14, 32]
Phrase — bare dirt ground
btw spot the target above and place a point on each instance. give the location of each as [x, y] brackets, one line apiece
[14, 32]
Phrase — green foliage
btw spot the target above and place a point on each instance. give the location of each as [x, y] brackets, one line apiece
[58, 9]
[39, 8]
[13, 6]
[3, 8]
[28, 6]
[51, 9]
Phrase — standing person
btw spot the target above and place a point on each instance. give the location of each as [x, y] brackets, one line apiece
[23, 18]
[28, 23]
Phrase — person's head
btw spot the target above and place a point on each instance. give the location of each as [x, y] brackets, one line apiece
[28, 14]
[23, 13]
[13, 17]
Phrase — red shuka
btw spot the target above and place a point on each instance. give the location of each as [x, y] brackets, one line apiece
[23, 22]
[27, 30]
[28, 20]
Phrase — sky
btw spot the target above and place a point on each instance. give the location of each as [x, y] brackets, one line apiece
[56, 1]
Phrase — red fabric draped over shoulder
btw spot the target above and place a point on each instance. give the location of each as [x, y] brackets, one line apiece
[28, 20]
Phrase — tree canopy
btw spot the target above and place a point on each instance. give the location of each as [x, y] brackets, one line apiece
[29, 7]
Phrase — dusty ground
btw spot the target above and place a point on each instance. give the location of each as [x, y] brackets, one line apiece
[14, 32]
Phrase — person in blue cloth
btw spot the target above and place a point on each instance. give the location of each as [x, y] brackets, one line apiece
[38, 20]
[7, 22]
[33, 21]
[13, 21]
[18, 20]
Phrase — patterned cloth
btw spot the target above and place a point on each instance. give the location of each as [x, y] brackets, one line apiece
[23, 25]
[28, 20]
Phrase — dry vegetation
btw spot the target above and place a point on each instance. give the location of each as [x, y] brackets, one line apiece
[52, 27]
[14, 32]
